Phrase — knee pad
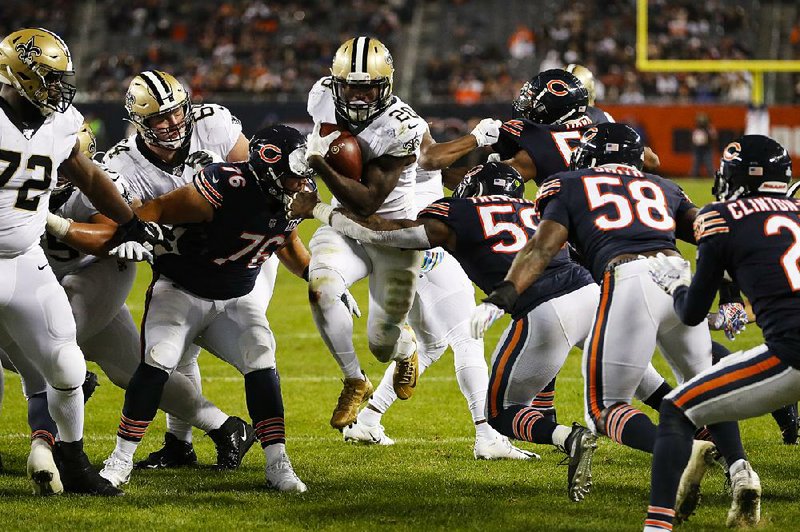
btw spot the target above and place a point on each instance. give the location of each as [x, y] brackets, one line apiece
[389, 341]
[68, 368]
[399, 294]
[164, 356]
[325, 288]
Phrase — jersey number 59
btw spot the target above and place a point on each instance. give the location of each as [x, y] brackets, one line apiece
[492, 227]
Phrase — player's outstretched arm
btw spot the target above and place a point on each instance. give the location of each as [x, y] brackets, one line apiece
[98, 187]
[183, 205]
[295, 256]
[438, 155]
[692, 303]
[93, 238]
[651, 160]
[537, 254]
[684, 226]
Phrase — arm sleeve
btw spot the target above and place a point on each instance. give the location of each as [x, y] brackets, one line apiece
[507, 144]
[405, 237]
[204, 183]
[693, 303]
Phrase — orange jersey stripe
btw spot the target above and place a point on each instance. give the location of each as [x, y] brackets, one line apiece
[504, 356]
[596, 339]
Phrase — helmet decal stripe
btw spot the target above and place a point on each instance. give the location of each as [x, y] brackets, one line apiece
[360, 57]
[353, 55]
[167, 89]
[366, 55]
[146, 76]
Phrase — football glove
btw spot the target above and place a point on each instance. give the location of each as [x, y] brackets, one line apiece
[487, 132]
[202, 158]
[670, 272]
[430, 259]
[133, 252]
[152, 233]
[351, 303]
[731, 318]
[317, 144]
[484, 317]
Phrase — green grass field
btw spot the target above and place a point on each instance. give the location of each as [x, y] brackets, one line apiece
[428, 480]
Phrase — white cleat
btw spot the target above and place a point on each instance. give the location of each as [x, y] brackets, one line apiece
[117, 470]
[360, 433]
[42, 470]
[499, 448]
[281, 476]
[746, 506]
[688, 496]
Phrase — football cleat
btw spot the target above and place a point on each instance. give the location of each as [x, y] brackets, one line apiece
[355, 393]
[117, 470]
[789, 430]
[746, 505]
[175, 453]
[42, 471]
[581, 445]
[688, 495]
[233, 439]
[77, 474]
[361, 433]
[90, 383]
[498, 447]
[405, 376]
[281, 476]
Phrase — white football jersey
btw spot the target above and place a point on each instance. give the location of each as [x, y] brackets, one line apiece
[63, 258]
[29, 161]
[397, 131]
[215, 129]
[429, 188]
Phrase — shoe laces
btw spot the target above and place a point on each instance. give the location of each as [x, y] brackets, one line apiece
[348, 395]
[406, 371]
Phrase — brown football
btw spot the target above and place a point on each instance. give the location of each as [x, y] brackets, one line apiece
[344, 155]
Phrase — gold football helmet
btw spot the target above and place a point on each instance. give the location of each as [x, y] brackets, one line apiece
[87, 140]
[585, 76]
[35, 61]
[154, 95]
[362, 79]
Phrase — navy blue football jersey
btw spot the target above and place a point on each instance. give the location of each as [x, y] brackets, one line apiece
[757, 240]
[490, 230]
[613, 210]
[549, 146]
[221, 259]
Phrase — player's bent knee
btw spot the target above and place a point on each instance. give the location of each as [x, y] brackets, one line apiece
[163, 355]
[68, 368]
[325, 287]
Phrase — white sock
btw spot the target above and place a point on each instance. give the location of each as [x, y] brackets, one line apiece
[368, 417]
[125, 449]
[560, 435]
[406, 344]
[274, 452]
[66, 409]
[484, 430]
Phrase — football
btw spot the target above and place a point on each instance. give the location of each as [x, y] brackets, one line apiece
[344, 155]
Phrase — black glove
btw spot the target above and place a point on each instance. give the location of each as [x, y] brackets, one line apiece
[144, 232]
[503, 296]
[200, 159]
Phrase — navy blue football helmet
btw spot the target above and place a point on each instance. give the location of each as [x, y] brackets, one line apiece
[752, 164]
[608, 143]
[491, 179]
[552, 97]
[277, 153]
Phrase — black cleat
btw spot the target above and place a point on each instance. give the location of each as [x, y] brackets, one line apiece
[77, 474]
[233, 439]
[789, 429]
[580, 447]
[175, 453]
[89, 384]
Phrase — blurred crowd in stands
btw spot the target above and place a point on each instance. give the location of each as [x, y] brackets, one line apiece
[255, 48]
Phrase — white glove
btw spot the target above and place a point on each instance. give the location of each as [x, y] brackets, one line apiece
[731, 318]
[487, 131]
[670, 272]
[202, 158]
[430, 259]
[351, 303]
[483, 317]
[493, 158]
[133, 251]
[298, 164]
[319, 145]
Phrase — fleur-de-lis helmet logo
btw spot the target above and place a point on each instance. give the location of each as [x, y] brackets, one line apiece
[28, 51]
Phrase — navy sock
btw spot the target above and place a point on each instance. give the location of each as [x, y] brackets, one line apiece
[654, 401]
[718, 352]
[265, 404]
[629, 426]
[39, 420]
[141, 401]
[728, 441]
[524, 423]
[544, 401]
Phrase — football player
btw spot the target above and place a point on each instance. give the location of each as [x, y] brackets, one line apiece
[585, 76]
[616, 215]
[234, 219]
[483, 225]
[752, 233]
[106, 333]
[39, 129]
[358, 96]
[173, 137]
[440, 317]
